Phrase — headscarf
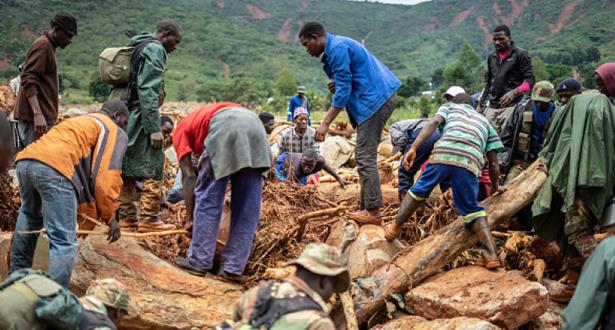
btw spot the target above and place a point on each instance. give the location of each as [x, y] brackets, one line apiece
[607, 73]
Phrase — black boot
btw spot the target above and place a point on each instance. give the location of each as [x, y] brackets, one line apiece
[488, 250]
[408, 206]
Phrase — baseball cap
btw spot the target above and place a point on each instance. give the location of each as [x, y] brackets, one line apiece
[543, 91]
[326, 260]
[110, 292]
[453, 91]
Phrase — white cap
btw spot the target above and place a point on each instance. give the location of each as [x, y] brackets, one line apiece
[454, 90]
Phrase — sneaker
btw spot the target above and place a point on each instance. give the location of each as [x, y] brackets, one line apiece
[153, 226]
[185, 264]
[228, 277]
[365, 218]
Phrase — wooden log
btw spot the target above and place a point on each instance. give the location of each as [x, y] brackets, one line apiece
[316, 214]
[432, 253]
[351, 318]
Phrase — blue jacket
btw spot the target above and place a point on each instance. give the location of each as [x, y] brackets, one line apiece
[296, 102]
[362, 83]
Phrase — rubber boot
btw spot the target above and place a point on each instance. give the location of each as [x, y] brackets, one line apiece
[408, 206]
[488, 250]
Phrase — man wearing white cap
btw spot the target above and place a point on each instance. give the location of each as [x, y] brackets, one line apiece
[451, 92]
[300, 137]
[299, 100]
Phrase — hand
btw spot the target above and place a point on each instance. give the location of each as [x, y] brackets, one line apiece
[114, 231]
[40, 124]
[507, 98]
[478, 108]
[331, 86]
[496, 188]
[409, 158]
[343, 183]
[543, 168]
[321, 132]
[156, 139]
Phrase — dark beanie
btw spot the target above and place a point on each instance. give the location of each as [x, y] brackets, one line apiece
[569, 84]
[66, 22]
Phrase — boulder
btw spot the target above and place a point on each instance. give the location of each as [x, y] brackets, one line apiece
[503, 298]
[420, 323]
[551, 319]
[162, 296]
[369, 251]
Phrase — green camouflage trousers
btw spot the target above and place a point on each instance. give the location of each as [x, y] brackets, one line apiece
[578, 230]
[149, 201]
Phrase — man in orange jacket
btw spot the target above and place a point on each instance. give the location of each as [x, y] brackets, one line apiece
[76, 164]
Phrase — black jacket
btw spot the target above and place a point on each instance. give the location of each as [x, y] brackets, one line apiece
[506, 76]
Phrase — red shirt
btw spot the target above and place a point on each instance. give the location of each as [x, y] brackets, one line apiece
[190, 133]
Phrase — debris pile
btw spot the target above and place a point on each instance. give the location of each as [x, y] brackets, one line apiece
[9, 203]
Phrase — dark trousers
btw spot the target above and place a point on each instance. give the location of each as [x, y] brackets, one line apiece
[368, 138]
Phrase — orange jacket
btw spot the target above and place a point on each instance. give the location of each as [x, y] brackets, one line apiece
[88, 150]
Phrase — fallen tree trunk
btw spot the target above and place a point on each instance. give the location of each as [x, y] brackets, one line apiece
[161, 296]
[432, 253]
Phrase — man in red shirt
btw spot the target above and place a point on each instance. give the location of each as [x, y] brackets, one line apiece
[233, 147]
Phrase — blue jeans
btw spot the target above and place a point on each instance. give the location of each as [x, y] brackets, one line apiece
[463, 182]
[176, 193]
[246, 190]
[48, 200]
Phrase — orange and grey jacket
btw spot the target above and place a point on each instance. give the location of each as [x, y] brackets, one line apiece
[88, 150]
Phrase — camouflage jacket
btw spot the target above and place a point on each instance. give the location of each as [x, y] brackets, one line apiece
[300, 320]
[97, 312]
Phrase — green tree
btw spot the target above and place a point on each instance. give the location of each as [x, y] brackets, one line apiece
[540, 69]
[98, 89]
[185, 90]
[285, 83]
[467, 71]
[437, 78]
[411, 86]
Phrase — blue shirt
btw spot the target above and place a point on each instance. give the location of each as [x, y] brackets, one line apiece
[362, 83]
[296, 102]
[539, 121]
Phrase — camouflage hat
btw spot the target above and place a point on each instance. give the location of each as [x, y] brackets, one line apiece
[543, 91]
[323, 259]
[110, 292]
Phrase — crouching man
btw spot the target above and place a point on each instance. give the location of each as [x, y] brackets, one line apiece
[299, 302]
[458, 157]
[78, 163]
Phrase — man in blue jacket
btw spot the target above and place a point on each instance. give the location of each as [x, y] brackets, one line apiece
[367, 89]
[299, 100]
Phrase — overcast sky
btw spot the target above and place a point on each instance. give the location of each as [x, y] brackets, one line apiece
[403, 2]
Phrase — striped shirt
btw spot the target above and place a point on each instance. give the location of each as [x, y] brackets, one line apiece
[466, 138]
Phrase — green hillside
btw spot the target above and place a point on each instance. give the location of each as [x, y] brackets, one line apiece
[213, 48]
[235, 43]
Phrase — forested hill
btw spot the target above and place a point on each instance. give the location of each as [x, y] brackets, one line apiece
[253, 40]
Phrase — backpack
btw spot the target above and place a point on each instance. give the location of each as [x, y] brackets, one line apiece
[53, 304]
[119, 67]
[114, 65]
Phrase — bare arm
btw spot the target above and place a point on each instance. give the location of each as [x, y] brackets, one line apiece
[426, 132]
[40, 124]
[188, 182]
[329, 170]
[494, 171]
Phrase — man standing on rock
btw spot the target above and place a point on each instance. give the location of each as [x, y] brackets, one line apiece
[76, 164]
[509, 76]
[37, 105]
[299, 302]
[368, 91]
[234, 148]
[145, 156]
[458, 156]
